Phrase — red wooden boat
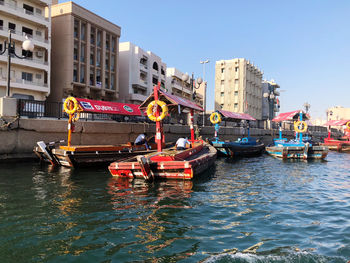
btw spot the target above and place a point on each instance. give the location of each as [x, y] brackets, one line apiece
[342, 144]
[169, 163]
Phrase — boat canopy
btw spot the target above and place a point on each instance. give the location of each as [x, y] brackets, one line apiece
[236, 115]
[108, 107]
[337, 122]
[290, 116]
[172, 101]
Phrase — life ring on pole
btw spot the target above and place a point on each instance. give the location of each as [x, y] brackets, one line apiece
[348, 125]
[66, 105]
[151, 114]
[297, 124]
[215, 118]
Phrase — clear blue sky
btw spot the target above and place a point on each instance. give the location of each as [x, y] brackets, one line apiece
[303, 44]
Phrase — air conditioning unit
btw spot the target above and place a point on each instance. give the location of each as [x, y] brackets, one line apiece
[39, 54]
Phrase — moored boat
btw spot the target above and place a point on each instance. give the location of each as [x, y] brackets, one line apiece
[342, 144]
[299, 148]
[86, 155]
[243, 147]
[170, 163]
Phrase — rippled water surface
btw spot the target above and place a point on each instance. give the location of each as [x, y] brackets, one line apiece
[248, 210]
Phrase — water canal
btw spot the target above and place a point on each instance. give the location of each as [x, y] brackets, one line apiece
[249, 210]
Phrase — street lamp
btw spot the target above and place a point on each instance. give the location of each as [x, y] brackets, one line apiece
[205, 89]
[27, 45]
[307, 106]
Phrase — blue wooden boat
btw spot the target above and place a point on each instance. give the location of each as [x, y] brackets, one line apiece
[302, 147]
[242, 147]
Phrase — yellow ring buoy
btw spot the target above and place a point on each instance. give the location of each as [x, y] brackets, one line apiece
[348, 125]
[215, 118]
[66, 103]
[161, 104]
[297, 124]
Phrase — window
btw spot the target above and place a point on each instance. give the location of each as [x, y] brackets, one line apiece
[75, 53]
[75, 73]
[155, 66]
[222, 70]
[106, 80]
[236, 81]
[222, 94]
[92, 77]
[162, 71]
[76, 28]
[27, 76]
[1, 24]
[38, 76]
[82, 52]
[236, 69]
[82, 74]
[107, 41]
[28, 9]
[92, 57]
[236, 93]
[99, 33]
[235, 106]
[92, 36]
[27, 31]
[154, 81]
[27, 53]
[107, 62]
[12, 27]
[98, 78]
[38, 33]
[112, 81]
[222, 82]
[98, 58]
[112, 62]
[82, 31]
[0, 47]
[38, 11]
[113, 44]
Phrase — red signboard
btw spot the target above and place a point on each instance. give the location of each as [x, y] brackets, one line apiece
[236, 115]
[97, 106]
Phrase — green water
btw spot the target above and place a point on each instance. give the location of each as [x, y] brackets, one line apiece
[248, 210]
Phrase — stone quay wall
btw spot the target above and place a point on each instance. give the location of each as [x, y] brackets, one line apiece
[18, 140]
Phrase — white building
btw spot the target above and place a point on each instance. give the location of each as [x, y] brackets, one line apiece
[175, 85]
[139, 71]
[30, 77]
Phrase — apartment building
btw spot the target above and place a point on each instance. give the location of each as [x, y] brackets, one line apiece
[338, 113]
[84, 54]
[238, 87]
[139, 71]
[270, 101]
[175, 85]
[29, 77]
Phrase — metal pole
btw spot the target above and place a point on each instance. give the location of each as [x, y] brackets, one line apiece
[9, 51]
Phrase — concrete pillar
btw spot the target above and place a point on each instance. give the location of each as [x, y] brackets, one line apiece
[8, 107]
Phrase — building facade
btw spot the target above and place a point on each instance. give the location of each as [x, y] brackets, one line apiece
[30, 77]
[140, 71]
[238, 87]
[270, 101]
[338, 113]
[84, 54]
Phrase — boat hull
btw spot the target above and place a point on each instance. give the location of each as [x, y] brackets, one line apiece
[298, 152]
[184, 165]
[90, 155]
[337, 145]
[233, 149]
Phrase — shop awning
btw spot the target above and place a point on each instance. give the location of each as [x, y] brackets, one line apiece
[337, 122]
[97, 106]
[236, 115]
[172, 102]
[289, 116]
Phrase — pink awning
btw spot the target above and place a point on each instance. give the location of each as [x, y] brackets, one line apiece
[337, 122]
[236, 115]
[289, 116]
[97, 106]
[171, 101]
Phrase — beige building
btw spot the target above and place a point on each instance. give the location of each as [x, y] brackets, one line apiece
[238, 87]
[30, 77]
[140, 71]
[84, 54]
[338, 113]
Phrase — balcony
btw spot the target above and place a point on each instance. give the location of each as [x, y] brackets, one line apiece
[138, 97]
[17, 11]
[20, 36]
[24, 84]
[28, 62]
